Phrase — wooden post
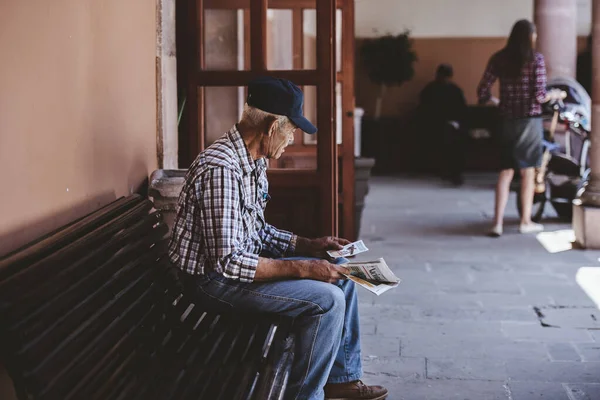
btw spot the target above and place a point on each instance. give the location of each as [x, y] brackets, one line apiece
[258, 34]
[347, 72]
[327, 148]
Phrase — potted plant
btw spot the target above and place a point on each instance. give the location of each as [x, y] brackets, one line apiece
[389, 61]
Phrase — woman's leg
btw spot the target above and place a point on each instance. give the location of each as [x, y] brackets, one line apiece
[502, 192]
[527, 193]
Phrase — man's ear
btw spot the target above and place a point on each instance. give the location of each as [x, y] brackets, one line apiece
[272, 126]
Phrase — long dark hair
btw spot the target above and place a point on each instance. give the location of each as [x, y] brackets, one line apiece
[519, 48]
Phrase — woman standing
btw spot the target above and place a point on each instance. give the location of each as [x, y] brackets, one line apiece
[522, 74]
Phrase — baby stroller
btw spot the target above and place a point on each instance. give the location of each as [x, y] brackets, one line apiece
[565, 165]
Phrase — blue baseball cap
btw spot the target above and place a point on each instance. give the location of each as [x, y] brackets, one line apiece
[281, 97]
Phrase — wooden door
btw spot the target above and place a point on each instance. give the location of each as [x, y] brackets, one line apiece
[307, 192]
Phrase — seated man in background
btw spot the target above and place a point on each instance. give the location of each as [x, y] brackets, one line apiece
[442, 112]
[220, 237]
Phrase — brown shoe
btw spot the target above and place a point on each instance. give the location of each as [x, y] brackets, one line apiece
[354, 390]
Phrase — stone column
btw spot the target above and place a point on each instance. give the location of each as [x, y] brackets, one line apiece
[586, 210]
[592, 192]
[556, 22]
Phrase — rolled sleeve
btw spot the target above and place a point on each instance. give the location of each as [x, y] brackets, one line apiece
[276, 241]
[540, 79]
[223, 226]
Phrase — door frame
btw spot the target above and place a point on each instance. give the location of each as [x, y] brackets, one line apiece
[330, 156]
[166, 85]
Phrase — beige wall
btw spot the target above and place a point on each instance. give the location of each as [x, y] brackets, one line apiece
[451, 18]
[468, 56]
[77, 109]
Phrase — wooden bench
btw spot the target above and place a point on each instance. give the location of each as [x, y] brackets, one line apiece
[95, 311]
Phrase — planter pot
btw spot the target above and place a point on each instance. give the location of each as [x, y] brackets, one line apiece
[165, 186]
[388, 141]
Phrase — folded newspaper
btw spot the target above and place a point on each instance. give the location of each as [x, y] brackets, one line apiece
[349, 250]
[375, 276]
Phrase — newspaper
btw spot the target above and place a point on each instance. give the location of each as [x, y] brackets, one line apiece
[375, 276]
[349, 250]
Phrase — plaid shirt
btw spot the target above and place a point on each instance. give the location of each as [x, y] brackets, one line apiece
[220, 224]
[519, 96]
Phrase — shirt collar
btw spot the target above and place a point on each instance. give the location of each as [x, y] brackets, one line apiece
[246, 162]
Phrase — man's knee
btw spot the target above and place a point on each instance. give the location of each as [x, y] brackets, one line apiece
[330, 298]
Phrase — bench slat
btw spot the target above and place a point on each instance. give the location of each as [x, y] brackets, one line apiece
[69, 307]
[50, 266]
[59, 238]
[122, 355]
[95, 311]
[137, 298]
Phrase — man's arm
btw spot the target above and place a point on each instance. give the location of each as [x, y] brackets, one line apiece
[277, 242]
[320, 270]
[540, 81]
[223, 226]
[282, 243]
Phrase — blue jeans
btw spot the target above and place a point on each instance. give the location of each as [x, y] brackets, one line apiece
[325, 323]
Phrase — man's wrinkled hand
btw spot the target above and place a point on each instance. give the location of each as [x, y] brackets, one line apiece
[324, 271]
[319, 247]
[330, 243]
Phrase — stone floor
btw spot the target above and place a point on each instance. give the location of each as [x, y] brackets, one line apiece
[474, 318]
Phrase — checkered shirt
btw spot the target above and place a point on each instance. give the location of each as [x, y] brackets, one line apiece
[518, 98]
[220, 224]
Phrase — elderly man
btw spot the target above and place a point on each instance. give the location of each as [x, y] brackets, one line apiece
[236, 260]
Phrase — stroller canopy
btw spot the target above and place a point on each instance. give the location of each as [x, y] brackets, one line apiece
[577, 102]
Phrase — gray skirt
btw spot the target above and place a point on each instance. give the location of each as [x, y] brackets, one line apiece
[521, 142]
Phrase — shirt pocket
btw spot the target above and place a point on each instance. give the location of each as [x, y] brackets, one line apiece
[250, 216]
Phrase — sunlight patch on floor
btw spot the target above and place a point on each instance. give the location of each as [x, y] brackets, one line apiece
[588, 278]
[557, 241]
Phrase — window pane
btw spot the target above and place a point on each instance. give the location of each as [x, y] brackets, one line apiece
[338, 40]
[222, 109]
[280, 41]
[309, 40]
[224, 39]
[310, 110]
[338, 112]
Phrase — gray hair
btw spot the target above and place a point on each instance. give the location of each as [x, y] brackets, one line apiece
[256, 117]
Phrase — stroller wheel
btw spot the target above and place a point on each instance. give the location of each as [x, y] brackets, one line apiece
[537, 210]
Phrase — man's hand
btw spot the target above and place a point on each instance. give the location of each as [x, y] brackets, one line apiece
[319, 247]
[324, 271]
